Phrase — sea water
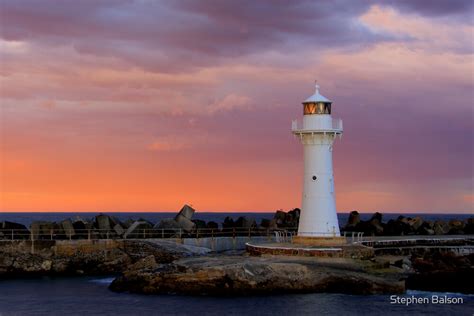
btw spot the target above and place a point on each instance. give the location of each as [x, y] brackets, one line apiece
[90, 296]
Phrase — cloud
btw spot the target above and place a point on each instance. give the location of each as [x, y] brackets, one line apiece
[231, 102]
[418, 31]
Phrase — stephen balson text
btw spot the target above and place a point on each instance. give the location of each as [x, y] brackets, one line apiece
[433, 299]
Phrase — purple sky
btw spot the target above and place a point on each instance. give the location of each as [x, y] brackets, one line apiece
[146, 105]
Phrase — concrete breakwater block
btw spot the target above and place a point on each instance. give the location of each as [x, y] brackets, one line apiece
[68, 228]
[186, 211]
[41, 228]
[137, 229]
[185, 223]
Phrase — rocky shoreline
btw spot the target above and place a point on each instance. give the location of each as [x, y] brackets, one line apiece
[165, 266]
[72, 258]
[246, 275]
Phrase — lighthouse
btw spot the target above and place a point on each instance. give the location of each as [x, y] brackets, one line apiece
[317, 133]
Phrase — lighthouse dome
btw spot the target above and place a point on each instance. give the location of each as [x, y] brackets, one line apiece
[317, 97]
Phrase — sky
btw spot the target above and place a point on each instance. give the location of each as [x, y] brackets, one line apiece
[146, 105]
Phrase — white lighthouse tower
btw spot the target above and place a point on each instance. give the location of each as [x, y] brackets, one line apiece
[317, 134]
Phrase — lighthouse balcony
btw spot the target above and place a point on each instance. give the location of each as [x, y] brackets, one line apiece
[317, 126]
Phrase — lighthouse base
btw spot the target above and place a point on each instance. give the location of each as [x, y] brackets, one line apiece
[319, 241]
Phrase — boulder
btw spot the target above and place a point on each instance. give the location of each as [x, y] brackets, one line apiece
[426, 229]
[398, 227]
[440, 228]
[118, 229]
[245, 222]
[280, 217]
[139, 229]
[456, 227]
[265, 223]
[415, 223]
[68, 228]
[212, 225]
[185, 223]
[167, 227]
[128, 223]
[12, 225]
[375, 224]
[273, 224]
[42, 229]
[287, 220]
[102, 222]
[81, 227]
[352, 221]
[167, 224]
[199, 224]
[469, 226]
[19, 231]
[228, 223]
[376, 217]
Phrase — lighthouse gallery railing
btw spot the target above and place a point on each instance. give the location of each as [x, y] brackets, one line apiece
[336, 125]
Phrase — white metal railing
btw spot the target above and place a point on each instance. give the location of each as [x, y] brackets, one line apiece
[336, 125]
[283, 236]
[138, 233]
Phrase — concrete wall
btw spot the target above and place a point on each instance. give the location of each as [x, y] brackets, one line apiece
[225, 243]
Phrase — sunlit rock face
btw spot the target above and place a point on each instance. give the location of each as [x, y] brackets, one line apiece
[240, 275]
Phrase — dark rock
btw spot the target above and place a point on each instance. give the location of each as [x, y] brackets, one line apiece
[287, 220]
[42, 229]
[415, 223]
[442, 272]
[398, 227]
[375, 224]
[245, 222]
[200, 224]
[167, 227]
[440, 227]
[456, 227]
[377, 217]
[167, 223]
[212, 225]
[280, 218]
[228, 223]
[68, 228]
[139, 229]
[425, 229]
[128, 223]
[353, 220]
[265, 223]
[119, 230]
[102, 222]
[469, 226]
[18, 231]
